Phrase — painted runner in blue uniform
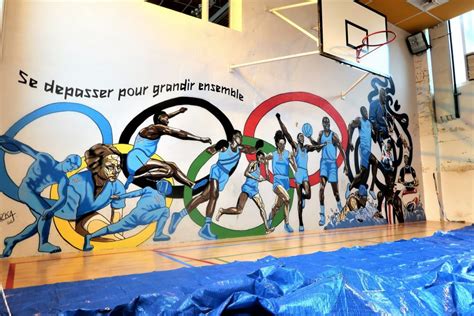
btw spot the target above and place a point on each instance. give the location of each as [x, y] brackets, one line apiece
[365, 147]
[226, 162]
[250, 185]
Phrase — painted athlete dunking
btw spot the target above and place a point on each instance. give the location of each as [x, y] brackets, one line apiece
[328, 165]
[281, 160]
[250, 190]
[229, 156]
[41, 174]
[381, 121]
[365, 155]
[300, 152]
[151, 207]
[139, 162]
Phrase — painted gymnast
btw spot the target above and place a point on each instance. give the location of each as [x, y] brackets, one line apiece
[300, 152]
[250, 190]
[328, 165]
[151, 207]
[366, 158]
[42, 173]
[139, 162]
[281, 160]
[229, 156]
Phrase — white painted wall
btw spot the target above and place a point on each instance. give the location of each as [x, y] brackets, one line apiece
[117, 44]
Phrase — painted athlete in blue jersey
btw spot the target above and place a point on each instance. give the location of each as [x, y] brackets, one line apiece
[151, 207]
[139, 162]
[42, 173]
[300, 152]
[380, 119]
[281, 161]
[250, 190]
[229, 156]
[328, 165]
[366, 158]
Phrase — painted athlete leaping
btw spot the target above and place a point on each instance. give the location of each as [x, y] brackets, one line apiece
[250, 190]
[328, 165]
[365, 154]
[139, 162]
[229, 156]
[300, 152]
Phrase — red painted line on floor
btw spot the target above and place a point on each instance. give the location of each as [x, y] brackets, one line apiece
[180, 256]
[10, 276]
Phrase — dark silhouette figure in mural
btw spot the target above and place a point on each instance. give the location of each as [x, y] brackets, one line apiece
[91, 190]
[151, 207]
[328, 165]
[356, 201]
[300, 152]
[42, 173]
[366, 158]
[281, 160]
[139, 162]
[250, 190]
[229, 156]
[381, 120]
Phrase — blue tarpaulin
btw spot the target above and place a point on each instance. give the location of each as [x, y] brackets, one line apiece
[422, 276]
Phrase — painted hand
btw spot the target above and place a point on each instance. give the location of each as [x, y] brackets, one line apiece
[206, 140]
[183, 109]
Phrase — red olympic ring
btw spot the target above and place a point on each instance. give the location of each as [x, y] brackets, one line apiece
[260, 111]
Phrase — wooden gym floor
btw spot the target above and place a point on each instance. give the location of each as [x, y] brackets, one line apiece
[63, 267]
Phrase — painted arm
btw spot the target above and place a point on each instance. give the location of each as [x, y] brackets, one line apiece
[156, 130]
[286, 133]
[246, 149]
[128, 195]
[62, 193]
[267, 171]
[316, 144]
[352, 125]
[337, 143]
[293, 162]
[250, 168]
[173, 114]
[21, 146]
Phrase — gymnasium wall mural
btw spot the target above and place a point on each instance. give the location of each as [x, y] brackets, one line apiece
[121, 192]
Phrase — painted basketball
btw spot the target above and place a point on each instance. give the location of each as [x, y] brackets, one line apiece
[307, 129]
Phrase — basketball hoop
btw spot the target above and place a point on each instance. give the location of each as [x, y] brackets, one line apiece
[365, 43]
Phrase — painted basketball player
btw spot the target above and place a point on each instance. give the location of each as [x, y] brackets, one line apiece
[250, 190]
[42, 173]
[281, 161]
[300, 152]
[139, 162]
[328, 165]
[366, 158]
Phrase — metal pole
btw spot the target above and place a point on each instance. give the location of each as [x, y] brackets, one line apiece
[232, 67]
[343, 94]
[296, 26]
[297, 5]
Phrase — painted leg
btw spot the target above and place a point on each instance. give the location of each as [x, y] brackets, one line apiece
[176, 217]
[299, 192]
[44, 226]
[234, 210]
[160, 225]
[261, 207]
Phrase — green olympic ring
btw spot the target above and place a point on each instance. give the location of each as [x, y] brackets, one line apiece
[220, 231]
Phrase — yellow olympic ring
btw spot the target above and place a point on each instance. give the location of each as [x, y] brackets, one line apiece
[69, 234]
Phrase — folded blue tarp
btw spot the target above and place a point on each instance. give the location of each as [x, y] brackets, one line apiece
[425, 276]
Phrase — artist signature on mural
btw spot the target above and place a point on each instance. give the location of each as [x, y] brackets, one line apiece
[8, 216]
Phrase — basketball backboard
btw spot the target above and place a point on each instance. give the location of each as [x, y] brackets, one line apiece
[343, 24]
